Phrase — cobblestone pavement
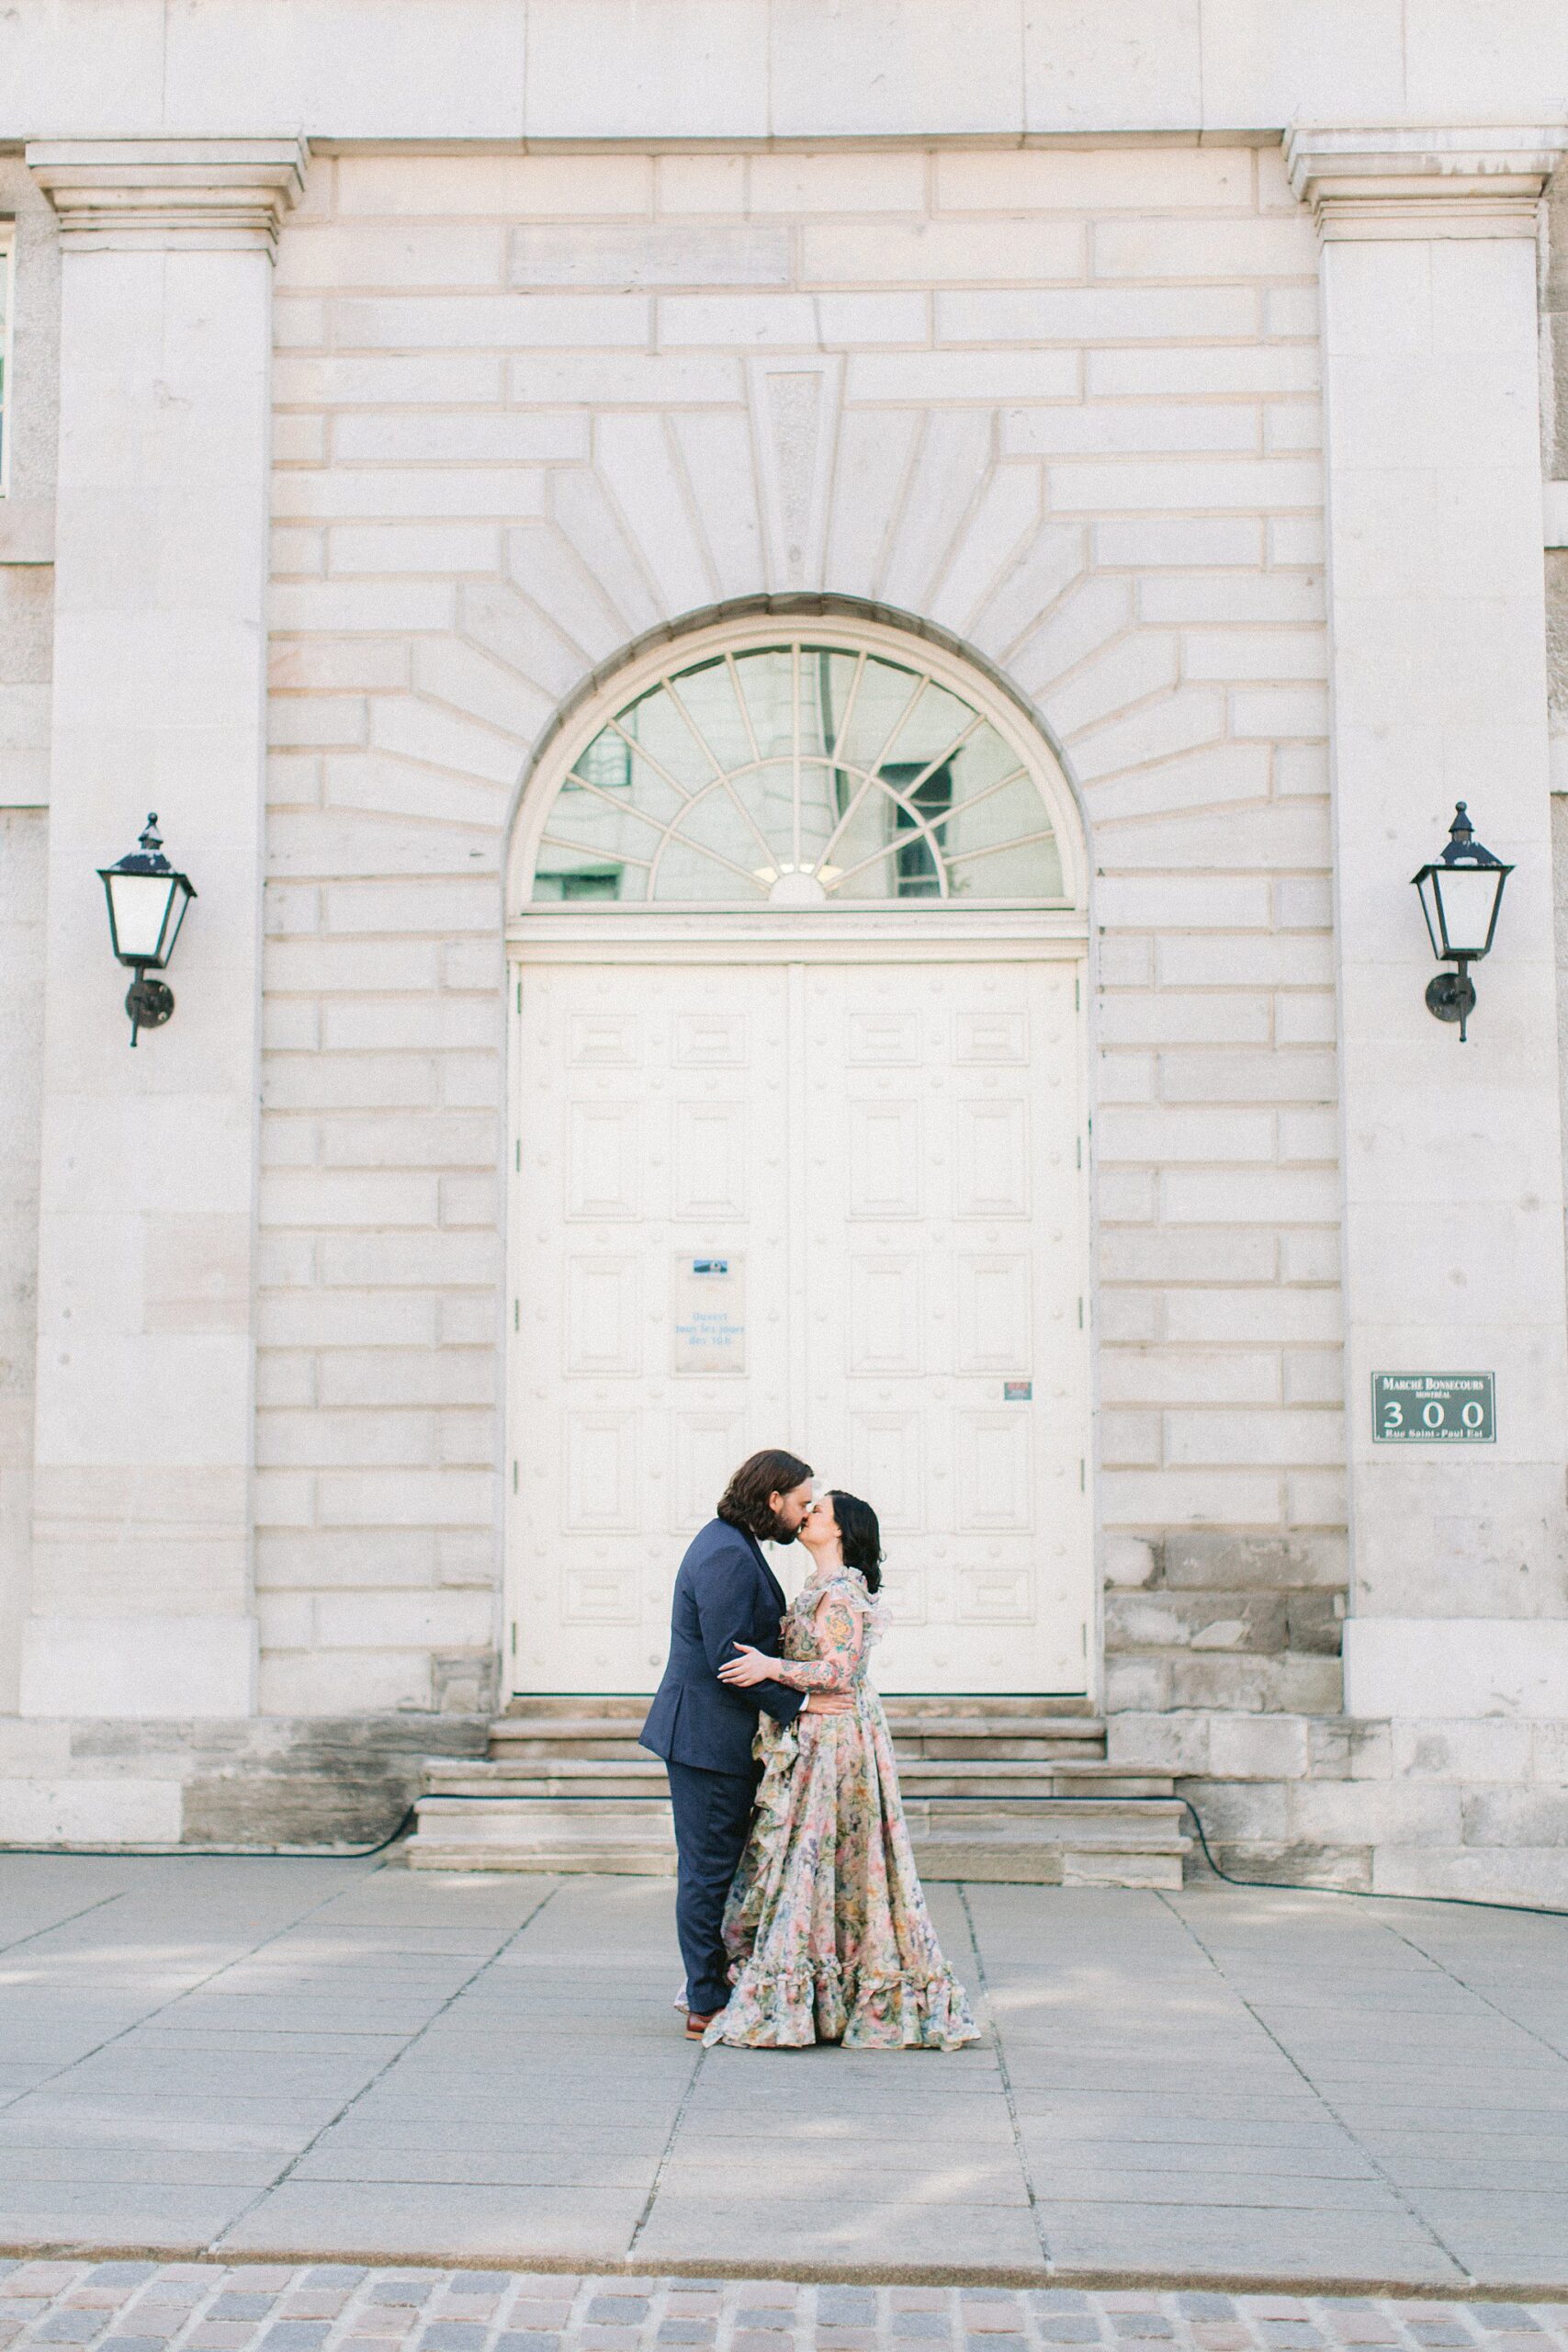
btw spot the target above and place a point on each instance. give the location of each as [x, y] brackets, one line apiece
[308, 2060]
[336, 2307]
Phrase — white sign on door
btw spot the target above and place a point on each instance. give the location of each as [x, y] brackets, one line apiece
[710, 1316]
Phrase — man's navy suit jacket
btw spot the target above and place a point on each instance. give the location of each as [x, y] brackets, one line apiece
[725, 1593]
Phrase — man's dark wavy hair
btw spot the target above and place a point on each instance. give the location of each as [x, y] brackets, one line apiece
[744, 1502]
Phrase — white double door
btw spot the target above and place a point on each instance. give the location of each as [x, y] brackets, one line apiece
[837, 1206]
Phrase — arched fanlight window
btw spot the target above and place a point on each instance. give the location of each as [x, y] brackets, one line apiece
[802, 772]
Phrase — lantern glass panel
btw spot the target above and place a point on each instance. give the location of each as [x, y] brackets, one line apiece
[1469, 897]
[181, 900]
[139, 906]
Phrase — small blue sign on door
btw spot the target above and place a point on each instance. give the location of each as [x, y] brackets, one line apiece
[709, 1324]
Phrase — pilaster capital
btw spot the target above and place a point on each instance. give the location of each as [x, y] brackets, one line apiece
[213, 195]
[1432, 180]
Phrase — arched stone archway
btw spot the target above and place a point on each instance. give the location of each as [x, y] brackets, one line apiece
[795, 915]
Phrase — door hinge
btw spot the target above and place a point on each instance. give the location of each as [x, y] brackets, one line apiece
[1083, 1639]
[514, 1477]
[517, 1154]
[520, 992]
[1080, 1315]
[1076, 1002]
[1079, 1150]
[514, 1637]
[516, 1314]
[1080, 1475]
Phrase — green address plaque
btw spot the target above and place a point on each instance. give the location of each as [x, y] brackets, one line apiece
[1433, 1408]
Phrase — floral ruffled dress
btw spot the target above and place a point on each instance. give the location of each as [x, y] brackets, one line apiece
[826, 1926]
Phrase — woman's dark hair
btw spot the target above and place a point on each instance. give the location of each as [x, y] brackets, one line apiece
[744, 1502]
[860, 1536]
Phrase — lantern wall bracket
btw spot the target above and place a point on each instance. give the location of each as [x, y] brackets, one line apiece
[149, 1004]
[1450, 996]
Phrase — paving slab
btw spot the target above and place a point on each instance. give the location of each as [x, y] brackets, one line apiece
[467, 2224]
[482, 2166]
[348, 2062]
[859, 2238]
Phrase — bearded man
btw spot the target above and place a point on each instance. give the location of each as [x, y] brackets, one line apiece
[727, 1597]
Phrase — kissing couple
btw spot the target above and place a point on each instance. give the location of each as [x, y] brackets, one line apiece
[798, 1906]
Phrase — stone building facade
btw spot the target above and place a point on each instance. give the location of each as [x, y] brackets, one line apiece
[1183, 402]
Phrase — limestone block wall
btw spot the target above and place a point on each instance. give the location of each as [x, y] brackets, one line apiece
[1217, 1619]
[1554, 455]
[27, 585]
[1554, 458]
[1062, 405]
[1560, 904]
[1238, 1695]
[22, 840]
[1469, 1807]
[1554, 330]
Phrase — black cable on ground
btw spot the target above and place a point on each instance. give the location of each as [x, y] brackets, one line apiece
[227, 1853]
[361, 1853]
[1363, 1894]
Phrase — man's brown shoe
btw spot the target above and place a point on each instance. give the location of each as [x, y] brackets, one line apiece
[696, 2027]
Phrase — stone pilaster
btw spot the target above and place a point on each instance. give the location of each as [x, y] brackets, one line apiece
[1452, 1154]
[141, 1598]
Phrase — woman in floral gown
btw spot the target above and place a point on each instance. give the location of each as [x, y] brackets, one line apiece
[825, 1923]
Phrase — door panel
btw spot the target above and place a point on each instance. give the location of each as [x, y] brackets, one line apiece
[904, 1259]
[885, 1163]
[710, 1162]
[650, 1147]
[604, 1160]
[956, 1399]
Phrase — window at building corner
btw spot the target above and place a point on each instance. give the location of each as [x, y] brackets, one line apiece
[804, 773]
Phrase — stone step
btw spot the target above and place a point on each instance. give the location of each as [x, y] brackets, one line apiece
[582, 1738]
[1004, 1738]
[530, 1778]
[1014, 1788]
[1143, 1821]
[975, 1722]
[1144, 1825]
[594, 1743]
[614, 1848]
[549, 1809]
[1082, 1818]
[593, 1737]
[989, 1822]
[1040, 1861]
[935, 1706]
[911, 1705]
[531, 1784]
[958, 1775]
[1044, 1853]
[553, 1705]
[988, 1777]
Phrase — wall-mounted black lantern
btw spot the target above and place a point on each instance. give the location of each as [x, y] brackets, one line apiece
[147, 905]
[1460, 896]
